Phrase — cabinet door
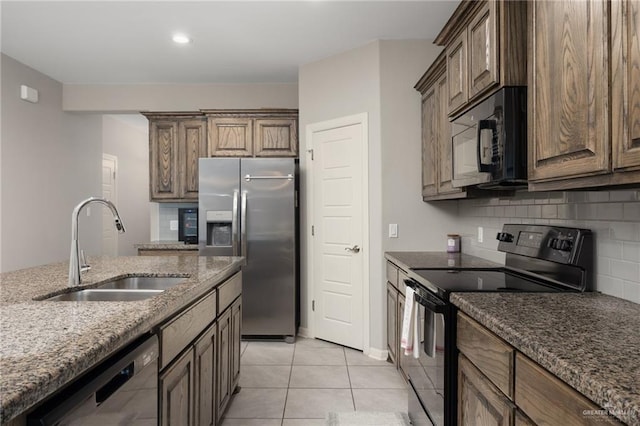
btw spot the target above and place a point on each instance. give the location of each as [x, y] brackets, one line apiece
[236, 335]
[223, 391]
[547, 400]
[568, 110]
[483, 50]
[176, 392]
[625, 83]
[445, 146]
[276, 137]
[392, 322]
[205, 377]
[193, 144]
[230, 136]
[479, 402]
[400, 317]
[429, 143]
[457, 72]
[163, 141]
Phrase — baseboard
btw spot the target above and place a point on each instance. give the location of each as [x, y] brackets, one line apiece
[379, 354]
[303, 332]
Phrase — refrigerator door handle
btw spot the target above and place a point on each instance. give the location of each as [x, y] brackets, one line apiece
[249, 178]
[234, 224]
[243, 222]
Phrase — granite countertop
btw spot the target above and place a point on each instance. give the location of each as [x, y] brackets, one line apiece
[44, 345]
[165, 245]
[590, 340]
[437, 259]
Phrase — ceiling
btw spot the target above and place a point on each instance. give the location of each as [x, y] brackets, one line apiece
[126, 42]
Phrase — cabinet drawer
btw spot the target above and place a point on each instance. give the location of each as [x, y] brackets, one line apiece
[392, 273]
[154, 252]
[488, 353]
[177, 334]
[548, 400]
[229, 291]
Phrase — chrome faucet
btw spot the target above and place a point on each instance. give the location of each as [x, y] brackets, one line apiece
[74, 259]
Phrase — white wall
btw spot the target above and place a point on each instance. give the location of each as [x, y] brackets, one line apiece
[177, 97]
[421, 226]
[130, 143]
[342, 85]
[378, 79]
[47, 157]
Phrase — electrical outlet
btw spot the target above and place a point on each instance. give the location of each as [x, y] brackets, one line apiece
[393, 230]
[480, 234]
[173, 225]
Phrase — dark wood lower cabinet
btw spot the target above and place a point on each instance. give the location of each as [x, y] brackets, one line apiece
[392, 322]
[205, 377]
[223, 390]
[200, 365]
[236, 333]
[176, 392]
[480, 403]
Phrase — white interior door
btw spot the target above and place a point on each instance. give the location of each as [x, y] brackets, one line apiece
[339, 239]
[109, 191]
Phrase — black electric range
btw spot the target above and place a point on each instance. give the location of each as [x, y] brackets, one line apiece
[539, 258]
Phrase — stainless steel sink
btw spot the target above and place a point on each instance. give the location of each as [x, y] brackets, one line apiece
[104, 295]
[127, 289]
[142, 283]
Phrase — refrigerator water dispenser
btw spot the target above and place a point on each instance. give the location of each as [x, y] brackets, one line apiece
[219, 225]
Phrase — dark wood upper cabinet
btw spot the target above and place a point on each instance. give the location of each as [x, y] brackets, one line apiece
[568, 89]
[625, 83]
[253, 133]
[584, 94]
[436, 134]
[177, 140]
[485, 44]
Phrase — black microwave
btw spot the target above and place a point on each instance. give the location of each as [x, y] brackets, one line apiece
[188, 225]
[489, 142]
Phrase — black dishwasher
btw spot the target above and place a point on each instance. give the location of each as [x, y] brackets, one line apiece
[123, 390]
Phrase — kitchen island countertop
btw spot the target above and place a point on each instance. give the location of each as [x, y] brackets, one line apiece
[589, 340]
[165, 245]
[45, 345]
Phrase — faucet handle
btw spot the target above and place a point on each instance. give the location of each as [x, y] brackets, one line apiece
[84, 266]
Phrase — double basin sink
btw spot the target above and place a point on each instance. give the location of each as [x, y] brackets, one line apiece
[127, 289]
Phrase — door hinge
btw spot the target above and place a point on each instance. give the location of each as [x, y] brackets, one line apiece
[313, 305]
[313, 230]
[310, 151]
[114, 175]
[296, 198]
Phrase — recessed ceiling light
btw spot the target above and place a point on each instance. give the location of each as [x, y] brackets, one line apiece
[181, 38]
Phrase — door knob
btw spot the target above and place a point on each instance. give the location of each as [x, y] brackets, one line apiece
[354, 249]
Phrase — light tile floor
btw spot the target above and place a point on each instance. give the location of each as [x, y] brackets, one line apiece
[298, 384]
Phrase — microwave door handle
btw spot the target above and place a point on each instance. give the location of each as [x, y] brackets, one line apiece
[485, 125]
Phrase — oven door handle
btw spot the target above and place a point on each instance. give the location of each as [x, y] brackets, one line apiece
[430, 302]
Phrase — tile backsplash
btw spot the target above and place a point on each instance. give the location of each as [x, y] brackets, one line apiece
[613, 216]
[166, 213]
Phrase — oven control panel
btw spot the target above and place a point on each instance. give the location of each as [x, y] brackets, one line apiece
[554, 243]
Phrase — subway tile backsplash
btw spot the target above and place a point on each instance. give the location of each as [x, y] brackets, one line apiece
[613, 216]
[166, 213]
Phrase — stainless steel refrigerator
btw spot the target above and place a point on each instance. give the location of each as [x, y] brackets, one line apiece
[248, 207]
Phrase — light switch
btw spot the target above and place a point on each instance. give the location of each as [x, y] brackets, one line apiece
[173, 225]
[480, 234]
[393, 230]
